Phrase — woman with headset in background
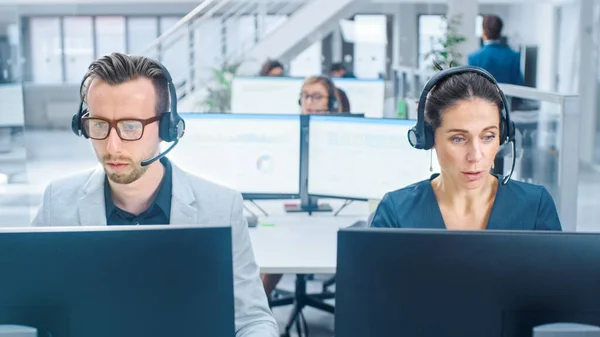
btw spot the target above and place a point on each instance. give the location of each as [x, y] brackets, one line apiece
[463, 114]
[317, 96]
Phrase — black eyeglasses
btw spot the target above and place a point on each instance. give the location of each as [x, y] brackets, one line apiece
[98, 128]
[315, 97]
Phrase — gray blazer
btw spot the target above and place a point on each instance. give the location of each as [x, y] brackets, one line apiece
[79, 201]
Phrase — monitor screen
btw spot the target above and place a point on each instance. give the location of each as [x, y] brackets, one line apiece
[150, 281]
[279, 95]
[470, 283]
[363, 158]
[253, 154]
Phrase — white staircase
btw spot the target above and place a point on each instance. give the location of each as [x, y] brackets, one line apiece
[205, 48]
[309, 24]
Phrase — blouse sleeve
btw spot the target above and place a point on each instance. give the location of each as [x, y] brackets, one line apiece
[547, 216]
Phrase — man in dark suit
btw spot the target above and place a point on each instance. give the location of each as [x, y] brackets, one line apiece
[502, 62]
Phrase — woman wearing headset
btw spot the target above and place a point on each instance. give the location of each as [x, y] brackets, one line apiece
[465, 121]
[319, 96]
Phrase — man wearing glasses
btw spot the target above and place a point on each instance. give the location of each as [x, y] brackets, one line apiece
[126, 96]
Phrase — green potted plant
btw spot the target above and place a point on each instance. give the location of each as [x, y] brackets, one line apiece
[444, 50]
[218, 92]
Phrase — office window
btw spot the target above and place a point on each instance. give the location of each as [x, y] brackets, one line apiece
[110, 35]
[79, 46]
[479, 26]
[309, 62]
[45, 48]
[175, 53]
[370, 45]
[208, 47]
[141, 32]
[432, 28]
[241, 34]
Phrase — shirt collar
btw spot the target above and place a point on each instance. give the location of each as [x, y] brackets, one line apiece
[491, 42]
[163, 197]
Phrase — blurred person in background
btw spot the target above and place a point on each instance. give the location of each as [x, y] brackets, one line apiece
[272, 68]
[498, 59]
[319, 96]
[338, 70]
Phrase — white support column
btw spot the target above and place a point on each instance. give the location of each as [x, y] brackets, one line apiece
[588, 81]
[336, 45]
[468, 10]
[405, 32]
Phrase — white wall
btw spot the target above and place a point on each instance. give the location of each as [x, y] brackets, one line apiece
[535, 24]
[467, 11]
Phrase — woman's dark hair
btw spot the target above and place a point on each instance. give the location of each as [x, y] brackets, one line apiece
[459, 87]
[268, 66]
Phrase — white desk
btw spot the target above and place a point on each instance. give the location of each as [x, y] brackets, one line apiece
[298, 245]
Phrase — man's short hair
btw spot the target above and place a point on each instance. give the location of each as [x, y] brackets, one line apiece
[118, 68]
[492, 26]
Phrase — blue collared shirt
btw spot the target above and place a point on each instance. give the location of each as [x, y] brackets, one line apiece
[159, 211]
[518, 206]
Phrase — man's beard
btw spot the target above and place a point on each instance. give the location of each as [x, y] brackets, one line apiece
[134, 170]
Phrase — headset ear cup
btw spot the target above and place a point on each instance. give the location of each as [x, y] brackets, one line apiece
[164, 127]
[77, 125]
[503, 131]
[333, 105]
[180, 127]
[507, 131]
[511, 131]
[429, 137]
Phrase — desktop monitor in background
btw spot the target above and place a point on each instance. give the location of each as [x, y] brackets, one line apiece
[268, 95]
[117, 281]
[279, 95]
[257, 155]
[363, 158]
[365, 95]
[452, 283]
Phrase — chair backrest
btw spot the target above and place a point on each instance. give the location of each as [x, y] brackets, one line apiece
[363, 223]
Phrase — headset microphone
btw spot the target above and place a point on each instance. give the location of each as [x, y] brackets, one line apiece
[160, 155]
[514, 162]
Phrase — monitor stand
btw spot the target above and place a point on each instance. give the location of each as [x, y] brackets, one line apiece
[308, 206]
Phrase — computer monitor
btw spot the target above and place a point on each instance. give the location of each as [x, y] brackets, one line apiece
[258, 155]
[118, 281]
[363, 158]
[448, 283]
[279, 95]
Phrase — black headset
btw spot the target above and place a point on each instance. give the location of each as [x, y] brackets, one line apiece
[332, 103]
[171, 126]
[421, 136]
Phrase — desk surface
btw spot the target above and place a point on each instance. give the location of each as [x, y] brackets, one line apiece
[299, 245]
